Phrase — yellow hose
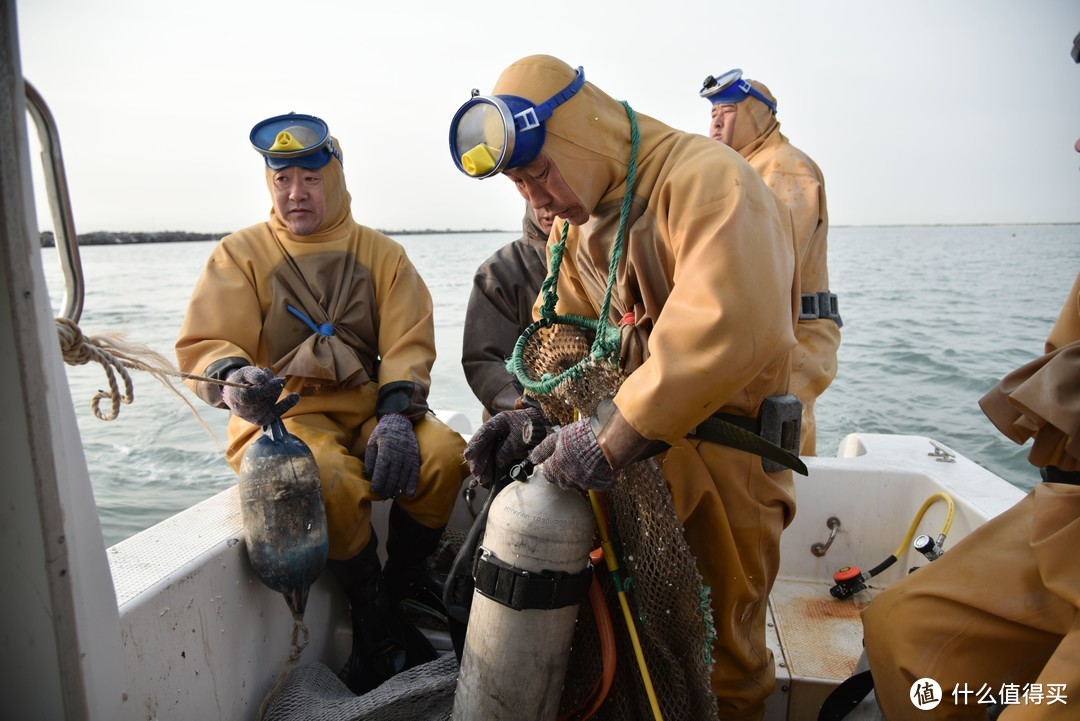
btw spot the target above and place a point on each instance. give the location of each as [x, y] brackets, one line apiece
[918, 519]
[613, 568]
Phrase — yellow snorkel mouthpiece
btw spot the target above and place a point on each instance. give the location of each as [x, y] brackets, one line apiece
[478, 161]
[286, 141]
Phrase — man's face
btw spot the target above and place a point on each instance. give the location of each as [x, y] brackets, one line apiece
[722, 126]
[545, 219]
[543, 187]
[299, 199]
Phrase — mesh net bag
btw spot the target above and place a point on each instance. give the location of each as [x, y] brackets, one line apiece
[312, 692]
[556, 350]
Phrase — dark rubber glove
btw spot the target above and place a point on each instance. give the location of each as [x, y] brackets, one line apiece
[392, 459]
[501, 436]
[573, 459]
[258, 402]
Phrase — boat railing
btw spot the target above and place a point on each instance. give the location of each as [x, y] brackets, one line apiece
[67, 245]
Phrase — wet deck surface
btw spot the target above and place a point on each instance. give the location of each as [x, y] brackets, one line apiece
[821, 636]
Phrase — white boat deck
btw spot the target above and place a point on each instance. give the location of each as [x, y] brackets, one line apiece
[875, 487]
[187, 595]
[820, 637]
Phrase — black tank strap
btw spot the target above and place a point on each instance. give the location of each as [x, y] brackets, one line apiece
[520, 589]
[845, 697]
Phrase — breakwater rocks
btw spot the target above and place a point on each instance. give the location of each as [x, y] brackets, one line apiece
[48, 240]
[108, 238]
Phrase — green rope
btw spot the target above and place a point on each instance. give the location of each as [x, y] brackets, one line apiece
[705, 606]
[550, 287]
[600, 349]
[606, 342]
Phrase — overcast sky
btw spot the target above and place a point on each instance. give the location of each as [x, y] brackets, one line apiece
[917, 111]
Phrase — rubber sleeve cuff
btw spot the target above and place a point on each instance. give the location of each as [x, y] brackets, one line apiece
[403, 397]
[218, 370]
[621, 444]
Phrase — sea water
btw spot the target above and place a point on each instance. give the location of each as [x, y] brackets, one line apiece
[933, 317]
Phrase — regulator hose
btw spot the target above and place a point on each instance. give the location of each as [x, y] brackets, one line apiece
[850, 581]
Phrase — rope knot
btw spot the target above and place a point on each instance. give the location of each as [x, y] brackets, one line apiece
[73, 344]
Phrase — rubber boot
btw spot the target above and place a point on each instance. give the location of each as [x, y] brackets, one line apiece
[384, 642]
[407, 574]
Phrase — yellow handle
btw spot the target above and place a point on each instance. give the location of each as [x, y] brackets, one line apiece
[613, 567]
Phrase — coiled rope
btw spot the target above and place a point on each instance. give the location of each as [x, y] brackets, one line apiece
[116, 355]
[606, 343]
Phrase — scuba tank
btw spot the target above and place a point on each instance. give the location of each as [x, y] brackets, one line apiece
[284, 517]
[531, 575]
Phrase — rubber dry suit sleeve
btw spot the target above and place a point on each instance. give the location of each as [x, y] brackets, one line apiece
[211, 342]
[1041, 399]
[727, 325]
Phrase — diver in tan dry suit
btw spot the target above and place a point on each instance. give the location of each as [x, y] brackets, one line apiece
[708, 277]
[335, 314]
[743, 117]
[1003, 606]
[500, 308]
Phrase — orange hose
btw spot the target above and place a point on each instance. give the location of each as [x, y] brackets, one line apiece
[606, 631]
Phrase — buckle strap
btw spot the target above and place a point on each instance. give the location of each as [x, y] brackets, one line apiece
[747, 423]
[519, 590]
[821, 305]
[774, 435]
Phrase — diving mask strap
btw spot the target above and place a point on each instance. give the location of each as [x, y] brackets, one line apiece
[532, 117]
[333, 150]
[749, 90]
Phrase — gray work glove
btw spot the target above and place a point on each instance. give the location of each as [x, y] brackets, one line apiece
[573, 459]
[392, 458]
[258, 402]
[501, 437]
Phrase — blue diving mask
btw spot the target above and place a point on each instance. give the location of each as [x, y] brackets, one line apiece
[493, 133]
[730, 88]
[294, 139]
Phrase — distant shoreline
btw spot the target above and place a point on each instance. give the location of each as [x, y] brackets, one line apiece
[48, 240]
[176, 236]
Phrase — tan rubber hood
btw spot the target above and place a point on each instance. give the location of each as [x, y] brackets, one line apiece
[588, 136]
[754, 121]
[338, 216]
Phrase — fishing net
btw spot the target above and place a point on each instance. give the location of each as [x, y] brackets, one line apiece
[313, 692]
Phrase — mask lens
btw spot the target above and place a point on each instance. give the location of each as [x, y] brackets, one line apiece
[480, 138]
[293, 139]
[491, 133]
[722, 90]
